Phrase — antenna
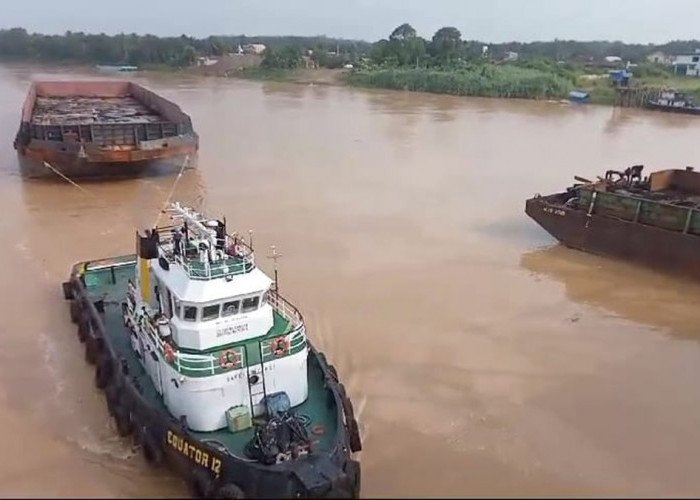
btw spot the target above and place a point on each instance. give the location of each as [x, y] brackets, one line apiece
[274, 257]
[250, 238]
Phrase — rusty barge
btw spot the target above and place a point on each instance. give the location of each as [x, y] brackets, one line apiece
[101, 128]
[653, 221]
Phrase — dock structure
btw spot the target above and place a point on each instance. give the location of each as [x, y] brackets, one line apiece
[634, 96]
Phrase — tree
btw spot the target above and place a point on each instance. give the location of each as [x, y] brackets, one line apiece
[288, 57]
[446, 44]
[403, 32]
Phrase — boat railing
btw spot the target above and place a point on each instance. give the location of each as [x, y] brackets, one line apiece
[228, 266]
[284, 308]
[224, 265]
[659, 213]
[205, 365]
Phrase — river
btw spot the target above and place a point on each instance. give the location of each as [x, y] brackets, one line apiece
[481, 357]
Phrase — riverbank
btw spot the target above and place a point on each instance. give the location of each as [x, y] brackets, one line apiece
[482, 81]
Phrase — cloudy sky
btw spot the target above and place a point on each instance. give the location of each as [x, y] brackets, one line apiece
[487, 20]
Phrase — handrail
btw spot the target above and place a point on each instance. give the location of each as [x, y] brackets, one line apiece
[209, 364]
[225, 265]
[284, 308]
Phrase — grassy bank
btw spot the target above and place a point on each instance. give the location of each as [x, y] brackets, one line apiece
[483, 81]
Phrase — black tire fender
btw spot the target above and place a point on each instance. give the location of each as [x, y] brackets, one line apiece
[91, 349]
[152, 452]
[75, 311]
[333, 372]
[112, 395]
[83, 328]
[103, 372]
[229, 491]
[122, 420]
[200, 484]
[354, 436]
[67, 287]
[343, 393]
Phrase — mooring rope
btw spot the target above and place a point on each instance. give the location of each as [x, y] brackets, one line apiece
[48, 165]
[172, 190]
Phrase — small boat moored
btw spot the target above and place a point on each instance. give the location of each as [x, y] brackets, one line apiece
[673, 101]
[210, 369]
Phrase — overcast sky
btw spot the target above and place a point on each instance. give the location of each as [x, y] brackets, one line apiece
[488, 20]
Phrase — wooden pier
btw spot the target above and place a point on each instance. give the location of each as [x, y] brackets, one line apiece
[634, 97]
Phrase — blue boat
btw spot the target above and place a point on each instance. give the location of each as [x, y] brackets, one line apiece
[579, 96]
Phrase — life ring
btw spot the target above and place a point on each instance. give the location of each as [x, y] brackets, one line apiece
[168, 352]
[229, 359]
[279, 346]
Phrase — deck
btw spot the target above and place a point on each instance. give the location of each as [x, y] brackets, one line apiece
[109, 283]
[91, 111]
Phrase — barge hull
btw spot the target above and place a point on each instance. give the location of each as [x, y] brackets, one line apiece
[209, 472]
[100, 128]
[655, 247]
[33, 165]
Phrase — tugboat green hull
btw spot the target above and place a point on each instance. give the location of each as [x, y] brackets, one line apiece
[214, 464]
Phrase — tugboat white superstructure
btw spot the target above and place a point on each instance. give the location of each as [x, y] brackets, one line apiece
[209, 368]
[212, 323]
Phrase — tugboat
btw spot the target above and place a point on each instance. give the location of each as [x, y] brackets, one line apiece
[654, 221]
[210, 369]
[674, 101]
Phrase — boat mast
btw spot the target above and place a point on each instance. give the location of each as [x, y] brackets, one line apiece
[274, 257]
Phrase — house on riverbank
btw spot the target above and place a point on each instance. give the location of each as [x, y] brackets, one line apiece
[687, 64]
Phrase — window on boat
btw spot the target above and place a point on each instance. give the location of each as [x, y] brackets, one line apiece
[265, 298]
[210, 312]
[250, 304]
[189, 313]
[231, 308]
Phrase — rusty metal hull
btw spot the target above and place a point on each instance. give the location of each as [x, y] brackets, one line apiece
[76, 168]
[100, 128]
[654, 247]
[33, 160]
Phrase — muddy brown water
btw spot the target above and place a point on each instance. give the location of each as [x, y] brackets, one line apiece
[482, 358]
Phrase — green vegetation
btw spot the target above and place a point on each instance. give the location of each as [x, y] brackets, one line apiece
[445, 63]
[478, 80]
[17, 44]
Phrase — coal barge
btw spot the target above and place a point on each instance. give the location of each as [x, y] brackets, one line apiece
[101, 128]
[653, 221]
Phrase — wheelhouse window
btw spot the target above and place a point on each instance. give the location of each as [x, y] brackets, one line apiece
[210, 312]
[231, 307]
[189, 313]
[250, 303]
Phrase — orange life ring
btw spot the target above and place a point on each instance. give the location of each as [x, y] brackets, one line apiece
[279, 346]
[169, 353]
[229, 359]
